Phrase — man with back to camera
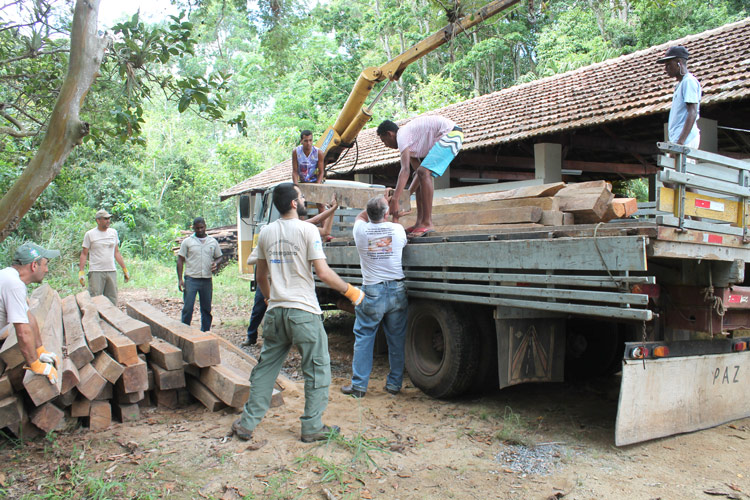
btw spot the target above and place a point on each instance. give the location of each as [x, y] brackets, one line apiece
[101, 246]
[683, 116]
[288, 249]
[29, 266]
[380, 244]
[199, 255]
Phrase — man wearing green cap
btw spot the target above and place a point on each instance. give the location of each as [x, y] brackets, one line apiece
[101, 246]
[29, 266]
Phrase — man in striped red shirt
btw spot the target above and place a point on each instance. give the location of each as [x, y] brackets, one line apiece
[427, 144]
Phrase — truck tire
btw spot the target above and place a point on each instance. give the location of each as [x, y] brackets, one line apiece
[486, 378]
[594, 348]
[441, 352]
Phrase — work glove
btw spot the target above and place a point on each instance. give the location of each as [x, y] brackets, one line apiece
[126, 274]
[47, 357]
[354, 294]
[82, 278]
[45, 369]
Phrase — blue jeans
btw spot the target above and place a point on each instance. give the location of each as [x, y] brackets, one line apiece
[256, 316]
[204, 287]
[384, 303]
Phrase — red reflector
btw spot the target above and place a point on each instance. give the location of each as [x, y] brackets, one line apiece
[661, 351]
[715, 238]
[639, 352]
[739, 346]
[702, 203]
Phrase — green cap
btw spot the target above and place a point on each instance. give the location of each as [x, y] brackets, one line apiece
[29, 252]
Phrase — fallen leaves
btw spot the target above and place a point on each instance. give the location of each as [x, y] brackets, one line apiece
[256, 445]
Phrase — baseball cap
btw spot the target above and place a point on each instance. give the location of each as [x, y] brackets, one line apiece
[29, 252]
[103, 214]
[678, 51]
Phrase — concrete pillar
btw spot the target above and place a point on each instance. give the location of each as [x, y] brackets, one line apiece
[548, 162]
[709, 135]
[444, 181]
[366, 178]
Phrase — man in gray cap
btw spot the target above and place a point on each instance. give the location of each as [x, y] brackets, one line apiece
[686, 99]
[29, 266]
[101, 246]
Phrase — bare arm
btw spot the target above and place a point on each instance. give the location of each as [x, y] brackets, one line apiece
[321, 168]
[328, 276]
[180, 266]
[324, 214]
[363, 216]
[261, 277]
[121, 261]
[82, 260]
[295, 168]
[403, 178]
[28, 339]
[692, 114]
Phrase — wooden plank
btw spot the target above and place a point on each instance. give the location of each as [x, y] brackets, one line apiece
[226, 384]
[118, 345]
[545, 203]
[39, 304]
[204, 395]
[243, 363]
[168, 379]
[120, 396]
[135, 377]
[91, 383]
[700, 205]
[75, 340]
[165, 355]
[6, 389]
[38, 387]
[90, 322]
[47, 417]
[108, 367]
[70, 376]
[137, 331]
[198, 348]
[81, 407]
[106, 393]
[66, 399]
[351, 197]
[511, 215]
[10, 352]
[521, 192]
[100, 415]
[552, 218]
[11, 411]
[694, 392]
[167, 398]
[588, 205]
[126, 412]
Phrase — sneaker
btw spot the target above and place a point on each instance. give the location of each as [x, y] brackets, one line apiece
[322, 434]
[351, 391]
[392, 391]
[248, 342]
[241, 432]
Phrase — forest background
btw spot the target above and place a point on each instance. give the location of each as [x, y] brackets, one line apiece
[189, 106]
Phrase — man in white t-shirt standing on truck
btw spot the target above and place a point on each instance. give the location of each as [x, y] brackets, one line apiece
[427, 144]
[101, 246]
[380, 245]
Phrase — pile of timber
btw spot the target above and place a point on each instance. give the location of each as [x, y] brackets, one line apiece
[555, 204]
[113, 363]
[225, 235]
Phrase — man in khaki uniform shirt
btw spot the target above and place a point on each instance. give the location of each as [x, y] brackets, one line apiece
[199, 255]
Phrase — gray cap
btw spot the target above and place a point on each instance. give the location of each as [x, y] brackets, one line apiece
[103, 214]
[676, 52]
[30, 252]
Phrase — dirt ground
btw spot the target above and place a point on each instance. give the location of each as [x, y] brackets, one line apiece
[528, 442]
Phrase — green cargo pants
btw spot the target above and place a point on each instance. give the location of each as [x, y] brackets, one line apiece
[283, 327]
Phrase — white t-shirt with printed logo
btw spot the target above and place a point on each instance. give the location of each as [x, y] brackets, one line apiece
[380, 247]
[289, 246]
[13, 305]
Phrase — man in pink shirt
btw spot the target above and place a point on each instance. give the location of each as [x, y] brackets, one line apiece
[427, 144]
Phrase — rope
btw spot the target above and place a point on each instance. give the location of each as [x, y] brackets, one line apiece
[620, 284]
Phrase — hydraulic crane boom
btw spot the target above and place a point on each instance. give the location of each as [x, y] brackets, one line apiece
[353, 115]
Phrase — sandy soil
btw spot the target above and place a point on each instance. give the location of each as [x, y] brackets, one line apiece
[529, 442]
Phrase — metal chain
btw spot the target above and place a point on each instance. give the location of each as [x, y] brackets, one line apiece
[643, 341]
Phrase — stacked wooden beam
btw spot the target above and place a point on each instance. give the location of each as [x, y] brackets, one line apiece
[113, 363]
[225, 235]
[535, 206]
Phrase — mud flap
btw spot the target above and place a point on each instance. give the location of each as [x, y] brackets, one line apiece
[530, 350]
[681, 394]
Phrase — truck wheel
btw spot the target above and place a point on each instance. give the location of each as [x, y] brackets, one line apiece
[593, 348]
[486, 378]
[441, 353]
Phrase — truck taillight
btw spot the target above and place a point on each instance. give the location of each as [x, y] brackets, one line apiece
[639, 352]
[660, 351]
[739, 346]
[652, 290]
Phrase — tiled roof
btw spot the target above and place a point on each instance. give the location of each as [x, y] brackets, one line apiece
[618, 89]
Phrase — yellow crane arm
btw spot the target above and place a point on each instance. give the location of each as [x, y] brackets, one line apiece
[353, 116]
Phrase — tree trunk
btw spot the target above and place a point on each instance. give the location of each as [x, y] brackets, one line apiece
[65, 129]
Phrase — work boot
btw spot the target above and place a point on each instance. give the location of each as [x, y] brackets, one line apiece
[322, 434]
[390, 390]
[351, 391]
[241, 432]
[249, 341]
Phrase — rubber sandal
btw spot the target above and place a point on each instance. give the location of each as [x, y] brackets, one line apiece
[410, 229]
[419, 232]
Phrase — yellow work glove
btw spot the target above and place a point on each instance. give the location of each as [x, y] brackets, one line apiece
[47, 357]
[45, 369]
[354, 294]
[126, 274]
[82, 278]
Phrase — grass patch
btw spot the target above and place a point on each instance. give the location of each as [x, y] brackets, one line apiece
[514, 429]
